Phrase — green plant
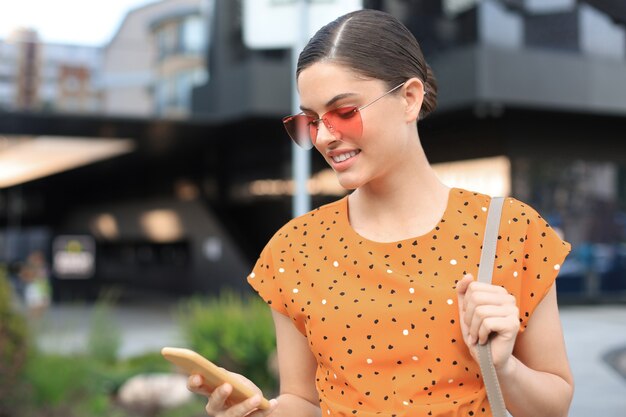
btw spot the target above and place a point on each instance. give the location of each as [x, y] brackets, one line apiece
[235, 331]
[105, 338]
[194, 408]
[13, 350]
[71, 386]
[57, 379]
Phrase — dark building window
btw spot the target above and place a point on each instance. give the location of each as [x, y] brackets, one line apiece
[553, 30]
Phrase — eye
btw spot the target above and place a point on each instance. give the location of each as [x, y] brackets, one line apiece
[313, 121]
[345, 112]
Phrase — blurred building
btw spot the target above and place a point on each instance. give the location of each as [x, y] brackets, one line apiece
[532, 103]
[39, 76]
[155, 59]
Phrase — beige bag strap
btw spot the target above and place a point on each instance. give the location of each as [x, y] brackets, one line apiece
[485, 272]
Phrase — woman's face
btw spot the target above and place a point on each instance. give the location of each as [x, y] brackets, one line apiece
[356, 160]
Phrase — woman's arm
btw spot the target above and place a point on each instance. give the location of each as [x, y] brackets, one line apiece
[297, 366]
[538, 382]
[532, 368]
[298, 395]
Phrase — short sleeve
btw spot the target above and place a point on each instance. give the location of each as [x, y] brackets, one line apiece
[544, 253]
[535, 255]
[263, 280]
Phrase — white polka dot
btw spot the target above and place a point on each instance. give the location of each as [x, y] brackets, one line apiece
[389, 271]
[557, 267]
[405, 402]
[369, 361]
[328, 411]
[412, 290]
[450, 301]
[281, 270]
[515, 274]
[483, 208]
[335, 375]
[335, 264]
[453, 261]
[450, 381]
[324, 301]
[405, 332]
[509, 221]
[415, 358]
[252, 275]
[295, 291]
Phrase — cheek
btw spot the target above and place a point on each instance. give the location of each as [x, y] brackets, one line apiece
[381, 124]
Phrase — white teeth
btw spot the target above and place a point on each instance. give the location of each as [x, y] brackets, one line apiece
[344, 156]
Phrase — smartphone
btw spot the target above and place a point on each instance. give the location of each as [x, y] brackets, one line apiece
[193, 363]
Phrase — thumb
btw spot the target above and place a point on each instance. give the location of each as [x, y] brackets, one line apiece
[461, 290]
[463, 285]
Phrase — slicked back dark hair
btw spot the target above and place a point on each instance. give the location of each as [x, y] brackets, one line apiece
[376, 45]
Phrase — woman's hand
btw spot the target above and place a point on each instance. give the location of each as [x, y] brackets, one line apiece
[219, 405]
[485, 309]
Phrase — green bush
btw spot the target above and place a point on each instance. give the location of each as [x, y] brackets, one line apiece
[78, 385]
[81, 386]
[234, 331]
[13, 350]
[104, 338]
[56, 379]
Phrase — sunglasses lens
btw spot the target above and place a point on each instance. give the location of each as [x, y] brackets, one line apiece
[345, 121]
[299, 129]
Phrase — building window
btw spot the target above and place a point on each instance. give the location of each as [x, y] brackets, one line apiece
[500, 26]
[173, 93]
[167, 40]
[601, 36]
[186, 36]
[193, 34]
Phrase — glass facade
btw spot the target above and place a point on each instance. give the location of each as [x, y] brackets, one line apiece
[181, 41]
[562, 25]
[186, 35]
[173, 92]
[585, 200]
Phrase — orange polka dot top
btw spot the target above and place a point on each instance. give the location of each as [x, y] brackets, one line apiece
[382, 318]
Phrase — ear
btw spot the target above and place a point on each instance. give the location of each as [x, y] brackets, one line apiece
[413, 91]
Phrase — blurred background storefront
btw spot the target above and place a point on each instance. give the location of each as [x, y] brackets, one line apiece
[157, 163]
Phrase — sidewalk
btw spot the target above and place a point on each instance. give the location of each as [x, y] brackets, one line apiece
[591, 332]
[145, 327]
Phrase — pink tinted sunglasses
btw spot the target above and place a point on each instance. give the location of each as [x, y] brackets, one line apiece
[345, 121]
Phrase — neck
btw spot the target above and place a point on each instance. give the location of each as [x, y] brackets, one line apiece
[403, 203]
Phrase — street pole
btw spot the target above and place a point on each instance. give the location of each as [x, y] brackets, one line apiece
[301, 160]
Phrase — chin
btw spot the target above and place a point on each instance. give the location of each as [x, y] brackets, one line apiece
[349, 182]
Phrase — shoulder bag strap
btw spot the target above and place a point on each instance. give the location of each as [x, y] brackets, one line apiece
[485, 271]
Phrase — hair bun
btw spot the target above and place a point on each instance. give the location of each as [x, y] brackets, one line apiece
[430, 93]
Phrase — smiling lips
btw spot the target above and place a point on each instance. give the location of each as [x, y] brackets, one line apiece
[345, 156]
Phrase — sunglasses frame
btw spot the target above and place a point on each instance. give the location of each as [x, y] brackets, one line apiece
[311, 141]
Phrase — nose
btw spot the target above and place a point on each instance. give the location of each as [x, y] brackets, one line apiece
[326, 133]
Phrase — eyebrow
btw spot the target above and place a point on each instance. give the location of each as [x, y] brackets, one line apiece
[332, 100]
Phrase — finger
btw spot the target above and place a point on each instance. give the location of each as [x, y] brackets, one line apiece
[474, 287]
[218, 397]
[463, 284]
[195, 384]
[503, 326]
[472, 301]
[482, 313]
[461, 290]
[264, 413]
[475, 318]
[244, 408]
[479, 295]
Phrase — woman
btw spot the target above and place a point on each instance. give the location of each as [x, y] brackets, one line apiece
[373, 296]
